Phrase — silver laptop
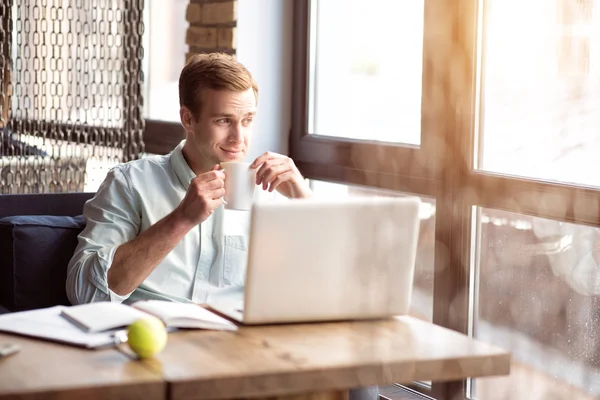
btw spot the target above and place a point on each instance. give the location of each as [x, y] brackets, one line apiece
[317, 260]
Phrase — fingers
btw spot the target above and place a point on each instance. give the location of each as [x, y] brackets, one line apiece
[271, 173]
[259, 160]
[266, 157]
[209, 186]
[210, 176]
[212, 185]
[280, 179]
[274, 170]
[268, 167]
[204, 196]
[217, 193]
[210, 199]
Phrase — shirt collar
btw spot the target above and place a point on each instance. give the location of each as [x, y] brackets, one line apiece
[180, 166]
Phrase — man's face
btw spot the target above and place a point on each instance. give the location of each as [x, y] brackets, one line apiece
[223, 129]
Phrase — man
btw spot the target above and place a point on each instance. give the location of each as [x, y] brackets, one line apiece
[153, 227]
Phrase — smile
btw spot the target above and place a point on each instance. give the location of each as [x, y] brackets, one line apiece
[231, 151]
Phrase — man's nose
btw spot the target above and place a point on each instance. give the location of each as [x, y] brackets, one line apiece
[236, 134]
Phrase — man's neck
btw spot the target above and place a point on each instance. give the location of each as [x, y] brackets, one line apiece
[197, 166]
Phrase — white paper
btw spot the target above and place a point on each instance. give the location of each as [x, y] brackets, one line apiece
[184, 315]
[47, 323]
[102, 316]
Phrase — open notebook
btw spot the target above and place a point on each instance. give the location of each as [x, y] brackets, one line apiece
[104, 316]
[47, 324]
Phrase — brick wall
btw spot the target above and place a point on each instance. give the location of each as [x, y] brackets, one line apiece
[212, 26]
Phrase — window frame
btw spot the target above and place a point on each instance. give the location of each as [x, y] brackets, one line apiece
[348, 159]
[161, 137]
[449, 134]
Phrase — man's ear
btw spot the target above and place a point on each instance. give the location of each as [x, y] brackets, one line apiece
[186, 118]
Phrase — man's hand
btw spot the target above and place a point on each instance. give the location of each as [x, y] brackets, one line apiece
[278, 172]
[136, 259]
[203, 197]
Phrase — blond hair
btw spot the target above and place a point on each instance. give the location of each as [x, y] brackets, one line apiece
[216, 71]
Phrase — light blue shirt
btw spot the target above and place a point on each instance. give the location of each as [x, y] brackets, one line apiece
[133, 197]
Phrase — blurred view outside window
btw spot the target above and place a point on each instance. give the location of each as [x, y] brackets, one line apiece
[422, 295]
[539, 279]
[69, 111]
[80, 81]
[164, 57]
[366, 70]
[539, 298]
[165, 54]
[540, 89]
[536, 281]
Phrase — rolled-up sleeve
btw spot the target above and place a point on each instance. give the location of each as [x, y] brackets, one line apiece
[112, 219]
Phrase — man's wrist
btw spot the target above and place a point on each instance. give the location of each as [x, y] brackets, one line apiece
[303, 192]
[307, 193]
[179, 223]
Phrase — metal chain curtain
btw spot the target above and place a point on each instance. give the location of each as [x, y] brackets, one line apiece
[71, 98]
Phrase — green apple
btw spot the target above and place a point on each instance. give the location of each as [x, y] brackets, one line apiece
[147, 336]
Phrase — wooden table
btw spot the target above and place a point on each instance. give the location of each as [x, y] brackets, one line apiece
[295, 361]
[46, 370]
[321, 360]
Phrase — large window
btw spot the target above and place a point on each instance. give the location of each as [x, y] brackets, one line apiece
[358, 91]
[165, 50]
[70, 92]
[540, 97]
[490, 110]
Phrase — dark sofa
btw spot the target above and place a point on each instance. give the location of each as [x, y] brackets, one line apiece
[38, 235]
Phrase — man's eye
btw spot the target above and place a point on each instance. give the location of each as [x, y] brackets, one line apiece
[247, 121]
[223, 121]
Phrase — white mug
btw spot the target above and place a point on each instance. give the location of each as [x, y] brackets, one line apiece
[240, 182]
